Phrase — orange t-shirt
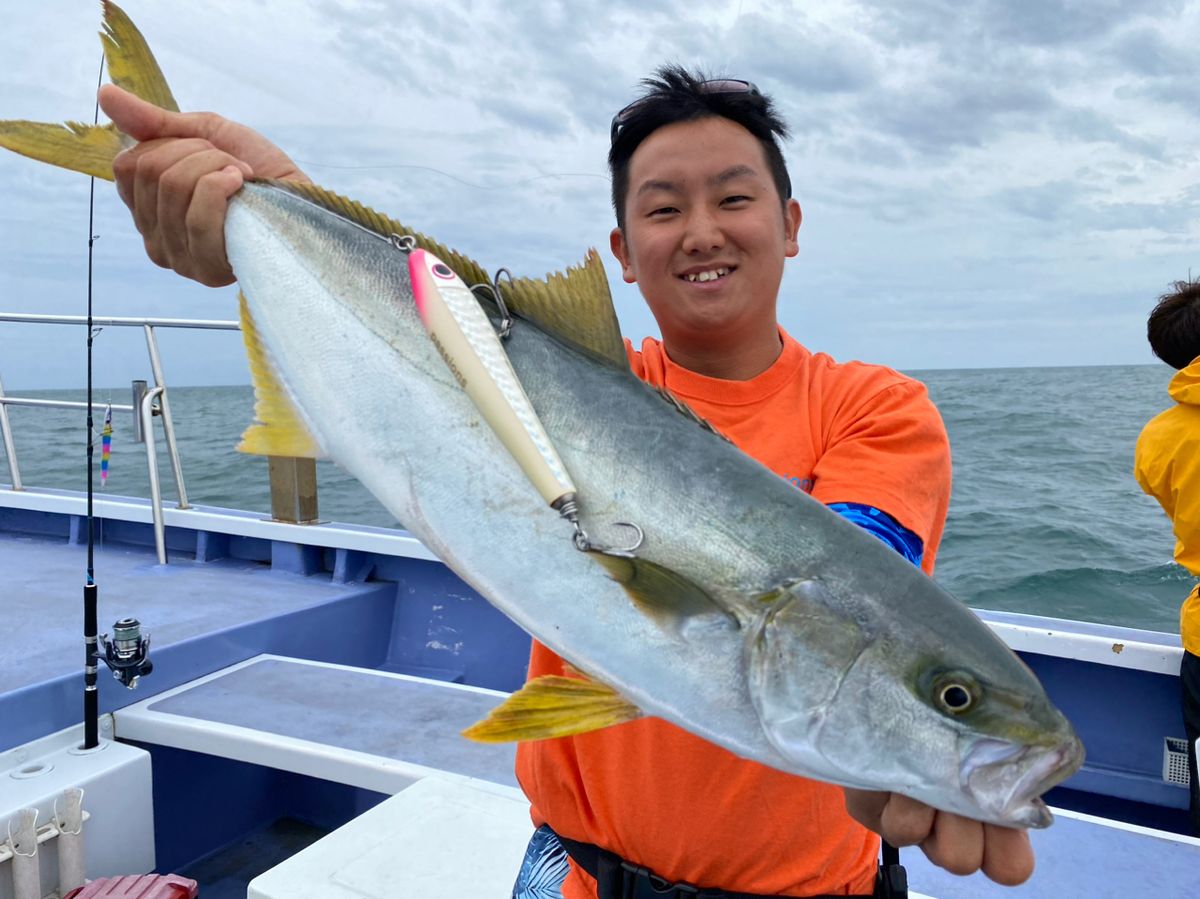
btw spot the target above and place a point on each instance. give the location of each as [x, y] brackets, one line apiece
[691, 811]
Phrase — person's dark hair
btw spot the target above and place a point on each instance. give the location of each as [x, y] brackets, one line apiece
[676, 95]
[1173, 328]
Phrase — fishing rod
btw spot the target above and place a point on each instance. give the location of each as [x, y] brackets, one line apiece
[91, 703]
[127, 655]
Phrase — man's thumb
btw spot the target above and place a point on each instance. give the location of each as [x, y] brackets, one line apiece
[144, 121]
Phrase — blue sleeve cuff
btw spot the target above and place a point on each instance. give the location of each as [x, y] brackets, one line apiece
[883, 526]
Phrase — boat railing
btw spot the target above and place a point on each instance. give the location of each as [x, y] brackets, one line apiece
[293, 481]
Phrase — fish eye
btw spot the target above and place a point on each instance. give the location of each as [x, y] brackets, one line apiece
[955, 697]
[955, 693]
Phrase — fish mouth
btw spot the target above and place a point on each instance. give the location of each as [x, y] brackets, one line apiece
[1006, 780]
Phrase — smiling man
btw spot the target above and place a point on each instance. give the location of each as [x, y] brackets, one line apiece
[705, 223]
[702, 232]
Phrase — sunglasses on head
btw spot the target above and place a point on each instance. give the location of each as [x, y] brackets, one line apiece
[714, 86]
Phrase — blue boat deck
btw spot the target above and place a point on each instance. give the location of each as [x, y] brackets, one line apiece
[235, 586]
[180, 602]
[371, 729]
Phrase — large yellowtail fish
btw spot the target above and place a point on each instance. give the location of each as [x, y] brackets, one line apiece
[750, 615]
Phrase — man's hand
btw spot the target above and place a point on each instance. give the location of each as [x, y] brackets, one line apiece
[178, 180]
[958, 844]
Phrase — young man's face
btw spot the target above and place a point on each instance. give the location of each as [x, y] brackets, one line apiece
[705, 235]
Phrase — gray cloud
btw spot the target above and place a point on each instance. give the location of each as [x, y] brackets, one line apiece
[955, 160]
[1144, 50]
[1048, 202]
[803, 56]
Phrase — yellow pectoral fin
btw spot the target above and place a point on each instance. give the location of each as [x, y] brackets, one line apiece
[659, 592]
[553, 706]
[278, 430]
[81, 148]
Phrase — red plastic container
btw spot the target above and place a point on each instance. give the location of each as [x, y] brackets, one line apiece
[144, 886]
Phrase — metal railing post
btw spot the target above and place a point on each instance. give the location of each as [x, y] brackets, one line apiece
[138, 389]
[147, 416]
[10, 449]
[165, 410]
[293, 481]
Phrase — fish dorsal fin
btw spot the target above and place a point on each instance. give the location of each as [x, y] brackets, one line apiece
[278, 430]
[131, 65]
[688, 412]
[574, 306]
[364, 216]
[88, 149]
[553, 706]
[659, 592]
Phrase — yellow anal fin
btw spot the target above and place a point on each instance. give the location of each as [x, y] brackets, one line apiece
[553, 706]
[278, 430]
[81, 148]
[131, 65]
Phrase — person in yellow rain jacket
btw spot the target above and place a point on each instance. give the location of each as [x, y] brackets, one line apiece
[1167, 466]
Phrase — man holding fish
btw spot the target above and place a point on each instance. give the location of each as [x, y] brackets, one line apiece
[705, 221]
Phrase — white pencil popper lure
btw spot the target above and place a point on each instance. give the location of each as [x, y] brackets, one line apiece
[467, 341]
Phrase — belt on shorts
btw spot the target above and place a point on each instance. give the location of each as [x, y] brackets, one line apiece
[617, 878]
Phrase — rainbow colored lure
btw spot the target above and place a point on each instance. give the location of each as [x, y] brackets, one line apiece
[105, 445]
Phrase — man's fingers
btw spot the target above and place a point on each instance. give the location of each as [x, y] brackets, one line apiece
[955, 844]
[179, 189]
[1007, 855]
[205, 231]
[142, 167]
[865, 806]
[906, 822]
[958, 844]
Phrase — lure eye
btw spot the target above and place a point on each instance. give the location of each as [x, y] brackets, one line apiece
[442, 270]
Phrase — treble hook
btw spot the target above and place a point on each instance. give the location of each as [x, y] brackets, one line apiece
[506, 319]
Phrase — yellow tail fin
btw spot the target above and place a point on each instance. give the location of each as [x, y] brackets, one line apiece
[90, 148]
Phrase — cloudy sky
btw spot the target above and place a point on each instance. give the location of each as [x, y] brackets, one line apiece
[984, 182]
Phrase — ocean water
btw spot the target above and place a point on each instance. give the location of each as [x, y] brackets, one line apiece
[1045, 515]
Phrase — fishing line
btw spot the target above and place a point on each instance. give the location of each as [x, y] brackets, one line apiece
[91, 705]
[508, 185]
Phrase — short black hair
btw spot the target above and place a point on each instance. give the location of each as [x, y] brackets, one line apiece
[675, 94]
[1174, 326]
